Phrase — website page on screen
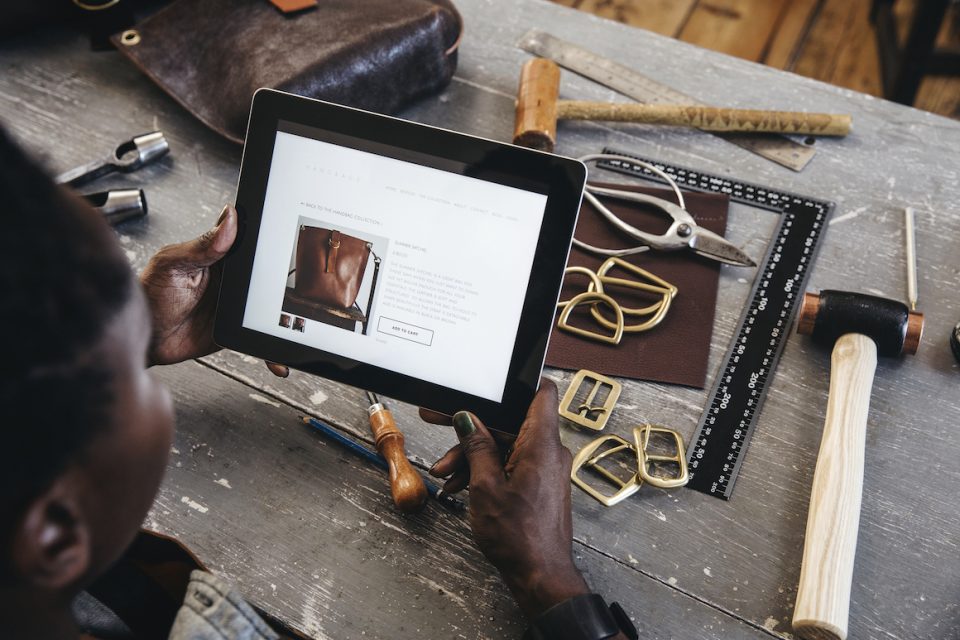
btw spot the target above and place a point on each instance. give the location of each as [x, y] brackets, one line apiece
[436, 264]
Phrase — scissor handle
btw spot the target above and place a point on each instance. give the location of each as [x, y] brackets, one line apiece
[676, 237]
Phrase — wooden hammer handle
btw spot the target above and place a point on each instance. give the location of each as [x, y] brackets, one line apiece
[823, 596]
[406, 484]
[709, 118]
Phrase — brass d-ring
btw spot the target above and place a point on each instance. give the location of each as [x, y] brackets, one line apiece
[664, 289]
[592, 297]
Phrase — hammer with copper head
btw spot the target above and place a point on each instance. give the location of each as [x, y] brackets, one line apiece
[539, 108]
[859, 327]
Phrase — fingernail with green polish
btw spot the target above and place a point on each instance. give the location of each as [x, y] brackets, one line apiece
[463, 424]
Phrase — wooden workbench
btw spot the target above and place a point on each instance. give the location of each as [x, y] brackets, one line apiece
[308, 532]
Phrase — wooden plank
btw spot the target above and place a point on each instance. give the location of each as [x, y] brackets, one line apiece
[308, 532]
[665, 17]
[842, 48]
[740, 557]
[741, 28]
[786, 43]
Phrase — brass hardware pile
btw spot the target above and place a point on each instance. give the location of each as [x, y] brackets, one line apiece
[596, 296]
[646, 467]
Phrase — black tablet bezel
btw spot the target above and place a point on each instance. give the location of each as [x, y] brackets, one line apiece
[561, 179]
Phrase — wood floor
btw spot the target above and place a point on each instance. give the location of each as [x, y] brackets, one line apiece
[830, 40]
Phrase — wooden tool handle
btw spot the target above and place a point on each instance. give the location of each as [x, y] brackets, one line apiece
[823, 597]
[406, 484]
[709, 118]
[536, 123]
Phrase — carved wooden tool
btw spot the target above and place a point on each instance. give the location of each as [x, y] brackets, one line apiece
[538, 109]
[859, 326]
[406, 485]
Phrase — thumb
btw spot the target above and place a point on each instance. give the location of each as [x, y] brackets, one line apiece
[479, 447]
[214, 244]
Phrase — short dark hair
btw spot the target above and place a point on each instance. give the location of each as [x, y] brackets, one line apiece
[61, 282]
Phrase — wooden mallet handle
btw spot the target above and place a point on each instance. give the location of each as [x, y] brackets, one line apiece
[406, 484]
[859, 327]
[539, 108]
[823, 596]
[709, 118]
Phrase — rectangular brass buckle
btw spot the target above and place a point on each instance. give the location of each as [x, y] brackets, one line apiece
[588, 458]
[641, 439]
[581, 414]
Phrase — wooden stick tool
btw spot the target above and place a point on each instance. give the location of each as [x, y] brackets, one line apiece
[859, 327]
[539, 108]
[406, 485]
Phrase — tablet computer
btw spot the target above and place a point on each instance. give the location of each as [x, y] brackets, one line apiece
[401, 258]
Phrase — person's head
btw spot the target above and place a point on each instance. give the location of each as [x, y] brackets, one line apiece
[85, 430]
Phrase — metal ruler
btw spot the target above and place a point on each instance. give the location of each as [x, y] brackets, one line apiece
[614, 75]
[720, 442]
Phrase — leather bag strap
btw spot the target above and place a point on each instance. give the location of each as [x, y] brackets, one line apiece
[332, 253]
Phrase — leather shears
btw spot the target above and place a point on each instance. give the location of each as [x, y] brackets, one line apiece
[684, 232]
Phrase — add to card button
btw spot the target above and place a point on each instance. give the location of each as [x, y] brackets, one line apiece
[404, 330]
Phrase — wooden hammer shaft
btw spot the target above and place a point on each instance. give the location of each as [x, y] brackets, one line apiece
[538, 109]
[823, 595]
[709, 118]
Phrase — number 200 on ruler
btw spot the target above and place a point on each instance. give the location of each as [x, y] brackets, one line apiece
[719, 444]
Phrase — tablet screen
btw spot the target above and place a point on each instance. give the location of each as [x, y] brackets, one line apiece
[436, 261]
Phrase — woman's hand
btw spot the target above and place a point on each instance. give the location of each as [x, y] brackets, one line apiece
[520, 507]
[181, 283]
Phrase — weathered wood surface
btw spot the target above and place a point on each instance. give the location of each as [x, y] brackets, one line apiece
[311, 535]
[733, 564]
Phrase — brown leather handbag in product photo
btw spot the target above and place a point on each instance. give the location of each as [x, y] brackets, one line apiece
[330, 266]
[212, 55]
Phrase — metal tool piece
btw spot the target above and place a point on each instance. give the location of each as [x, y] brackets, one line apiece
[684, 232]
[632, 84]
[119, 205]
[911, 242]
[128, 156]
[581, 413]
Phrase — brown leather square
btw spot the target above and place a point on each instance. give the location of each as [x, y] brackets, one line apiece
[675, 351]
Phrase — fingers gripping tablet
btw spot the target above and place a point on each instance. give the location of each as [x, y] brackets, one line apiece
[413, 261]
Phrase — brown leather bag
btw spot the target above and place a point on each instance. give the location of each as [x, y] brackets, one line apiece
[212, 55]
[330, 266]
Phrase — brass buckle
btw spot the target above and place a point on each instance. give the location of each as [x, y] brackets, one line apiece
[581, 413]
[586, 459]
[641, 439]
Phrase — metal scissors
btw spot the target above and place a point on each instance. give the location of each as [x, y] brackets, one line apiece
[684, 232]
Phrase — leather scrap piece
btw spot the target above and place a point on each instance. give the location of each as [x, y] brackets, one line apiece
[677, 350]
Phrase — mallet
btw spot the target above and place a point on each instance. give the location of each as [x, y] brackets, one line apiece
[860, 327]
[539, 108]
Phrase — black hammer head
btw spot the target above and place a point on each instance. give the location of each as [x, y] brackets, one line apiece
[890, 324]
